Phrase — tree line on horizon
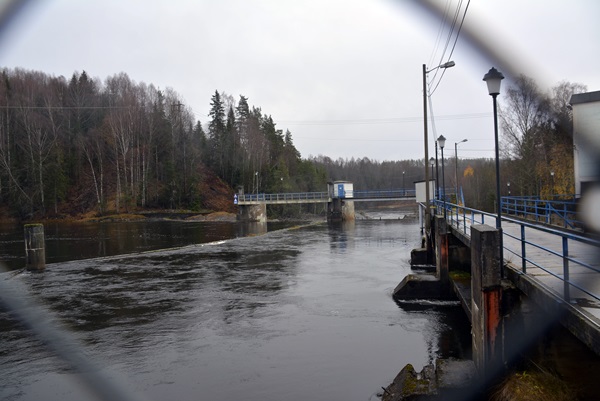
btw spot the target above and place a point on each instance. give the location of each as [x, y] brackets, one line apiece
[114, 145]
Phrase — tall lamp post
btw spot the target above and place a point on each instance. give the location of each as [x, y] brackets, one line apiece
[447, 64]
[432, 163]
[442, 141]
[403, 187]
[456, 167]
[508, 187]
[437, 171]
[552, 189]
[493, 79]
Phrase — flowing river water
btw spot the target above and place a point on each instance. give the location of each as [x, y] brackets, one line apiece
[302, 313]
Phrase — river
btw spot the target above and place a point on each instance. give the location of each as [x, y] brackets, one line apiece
[302, 313]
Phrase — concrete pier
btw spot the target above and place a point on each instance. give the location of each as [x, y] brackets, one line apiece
[254, 213]
[35, 248]
[340, 210]
[486, 291]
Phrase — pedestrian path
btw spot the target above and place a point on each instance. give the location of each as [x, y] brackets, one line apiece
[566, 264]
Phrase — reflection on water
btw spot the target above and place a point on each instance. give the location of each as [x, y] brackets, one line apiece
[82, 240]
[302, 314]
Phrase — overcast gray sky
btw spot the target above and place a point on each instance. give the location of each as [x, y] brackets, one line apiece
[344, 76]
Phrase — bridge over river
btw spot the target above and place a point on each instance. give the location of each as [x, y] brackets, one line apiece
[340, 201]
[515, 283]
[322, 197]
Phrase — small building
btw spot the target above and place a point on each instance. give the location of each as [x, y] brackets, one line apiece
[421, 191]
[340, 189]
[586, 139]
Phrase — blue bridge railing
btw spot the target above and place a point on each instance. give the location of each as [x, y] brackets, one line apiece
[297, 196]
[554, 211]
[322, 196]
[557, 253]
[387, 193]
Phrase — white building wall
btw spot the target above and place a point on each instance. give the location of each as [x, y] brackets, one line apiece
[586, 140]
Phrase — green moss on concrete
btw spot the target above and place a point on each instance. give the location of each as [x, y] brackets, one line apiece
[533, 386]
[460, 275]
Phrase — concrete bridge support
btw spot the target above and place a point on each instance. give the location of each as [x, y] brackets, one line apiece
[257, 213]
[340, 210]
[486, 311]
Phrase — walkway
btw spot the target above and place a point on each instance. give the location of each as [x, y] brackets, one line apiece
[565, 265]
[322, 197]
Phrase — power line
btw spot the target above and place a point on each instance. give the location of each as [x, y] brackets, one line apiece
[388, 120]
[62, 107]
[452, 27]
[453, 46]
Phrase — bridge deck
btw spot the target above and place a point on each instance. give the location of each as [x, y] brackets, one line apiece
[545, 265]
[321, 197]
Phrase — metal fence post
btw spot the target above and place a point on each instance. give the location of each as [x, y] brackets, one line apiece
[565, 244]
[523, 255]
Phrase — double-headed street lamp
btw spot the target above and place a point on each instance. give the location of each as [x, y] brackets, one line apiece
[442, 141]
[456, 167]
[447, 64]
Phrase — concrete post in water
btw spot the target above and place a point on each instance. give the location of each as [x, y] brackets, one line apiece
[486, 291]
[35, 249]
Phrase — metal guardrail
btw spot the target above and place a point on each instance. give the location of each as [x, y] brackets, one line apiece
[556, 211]
[323, 196]
[298, 196]
[386, 193]
[458, 216]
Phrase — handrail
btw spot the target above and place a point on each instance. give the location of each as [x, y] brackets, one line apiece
[458, 216]
[288, 196]
[543, 210]
[323, 196]
[385, 193]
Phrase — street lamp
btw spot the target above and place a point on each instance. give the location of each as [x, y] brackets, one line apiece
[442, 141]
[437, 172]
[508, 186]
[494, 79]
[456, 167]
[552, 189]
[403, 187]
[447, 64]
[432, 163]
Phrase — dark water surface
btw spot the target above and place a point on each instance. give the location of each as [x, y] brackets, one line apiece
[298, 314]
[83, 240]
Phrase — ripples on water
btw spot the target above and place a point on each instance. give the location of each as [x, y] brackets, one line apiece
[300, 314]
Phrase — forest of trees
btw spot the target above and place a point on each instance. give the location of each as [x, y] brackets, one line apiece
[71, 146]
[114, 145]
